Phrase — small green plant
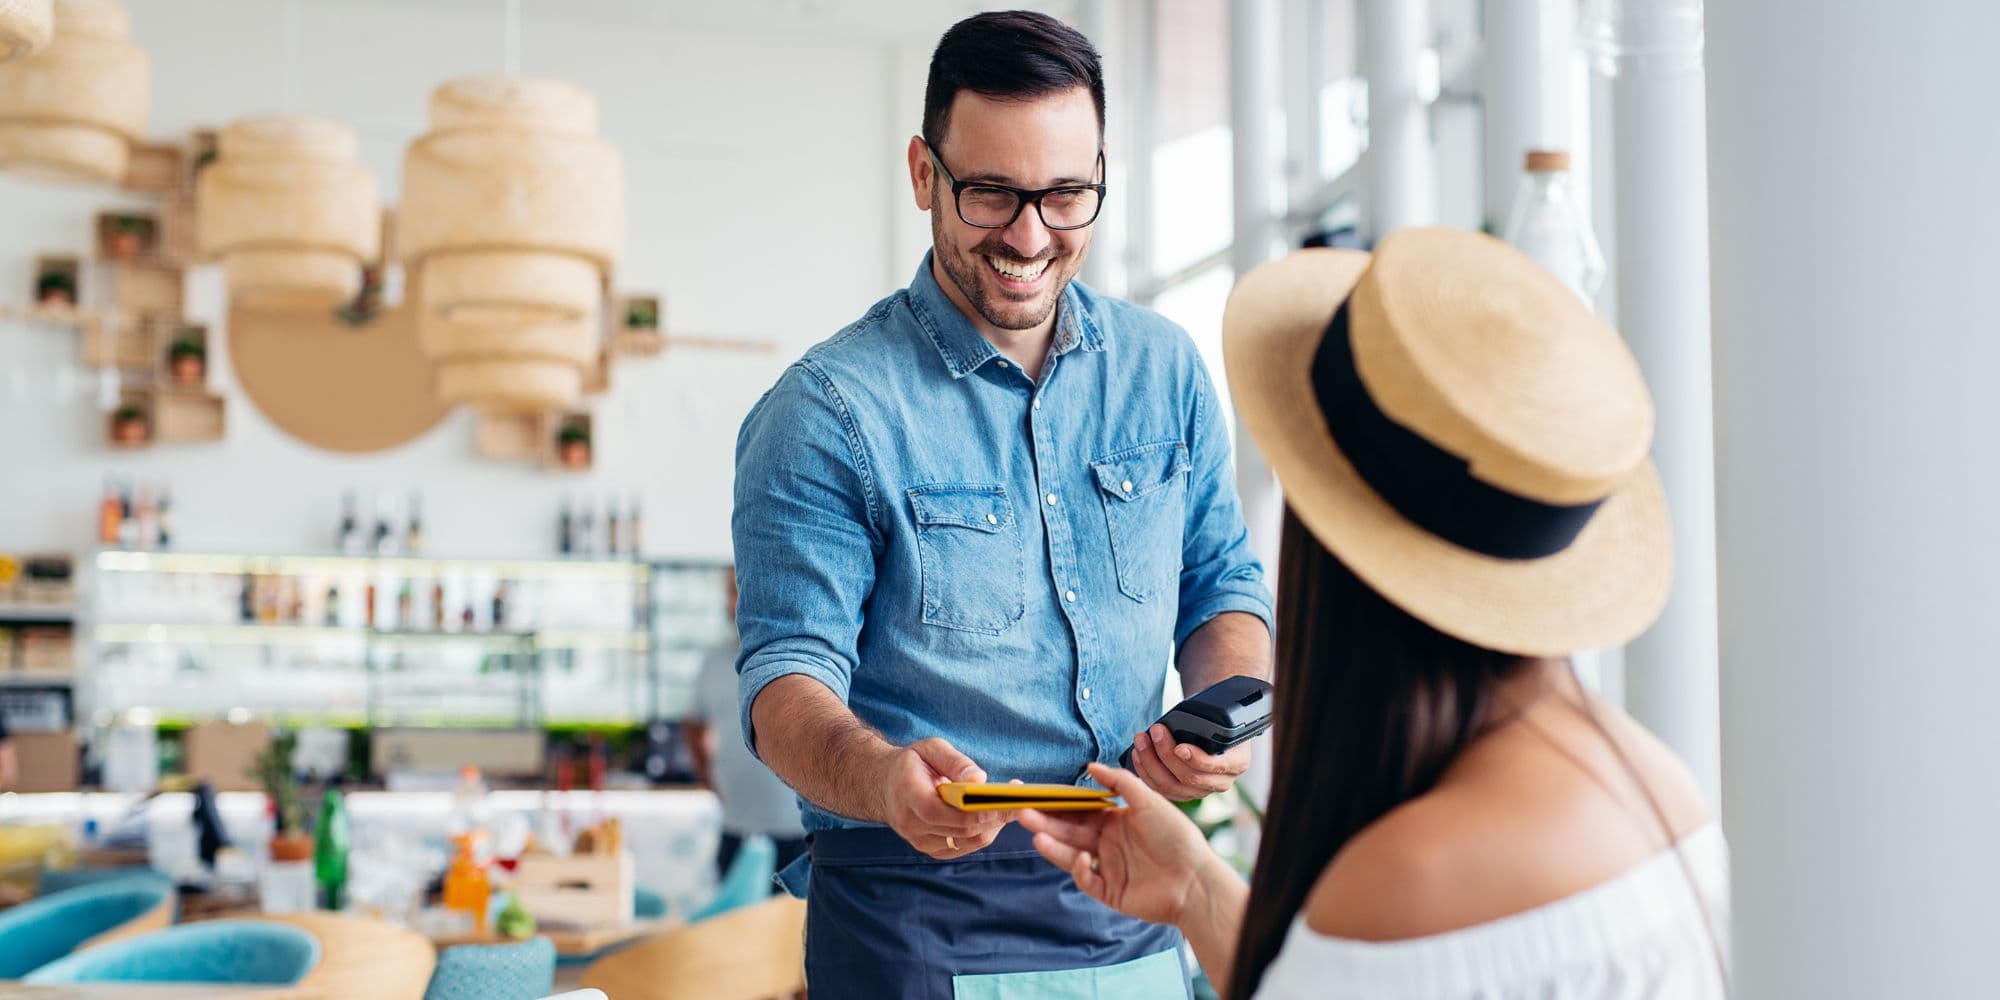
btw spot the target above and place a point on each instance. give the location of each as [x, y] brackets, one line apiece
[574, 433]
[137, 225]
[273, 770]
[130, 413]
[54, 282]
[642, 314]
[187, 346]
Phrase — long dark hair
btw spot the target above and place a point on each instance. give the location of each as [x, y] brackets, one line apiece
[1374, 706]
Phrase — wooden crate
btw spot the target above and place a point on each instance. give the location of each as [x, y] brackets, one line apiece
[116, 342]
[508, 436]
[148, 289]
[56, 269]
[154, 168]
[591, 890]
[187, 415]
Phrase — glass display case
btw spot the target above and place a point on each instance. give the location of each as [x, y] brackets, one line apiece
[388, 640]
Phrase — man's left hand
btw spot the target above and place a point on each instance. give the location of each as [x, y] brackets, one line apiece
[1181, 771]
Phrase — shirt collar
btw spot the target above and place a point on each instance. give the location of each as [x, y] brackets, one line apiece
[961, 346]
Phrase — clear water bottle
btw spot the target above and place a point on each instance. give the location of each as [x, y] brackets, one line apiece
[1550, 225]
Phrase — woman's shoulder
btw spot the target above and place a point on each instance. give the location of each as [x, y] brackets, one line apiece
[1528, 816]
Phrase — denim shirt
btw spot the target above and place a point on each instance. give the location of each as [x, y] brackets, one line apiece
[956, 550]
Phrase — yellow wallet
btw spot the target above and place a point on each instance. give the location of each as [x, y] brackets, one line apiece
[989, 797]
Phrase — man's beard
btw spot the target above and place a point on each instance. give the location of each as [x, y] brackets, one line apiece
[965, 274]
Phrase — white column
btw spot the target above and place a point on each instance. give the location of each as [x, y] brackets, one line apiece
[1654, 47]
[1304, 27]
[1515, 68]
[1253, 95]
[1099, 22]
[1854, 218]
[1141, 76]
[1402, 174]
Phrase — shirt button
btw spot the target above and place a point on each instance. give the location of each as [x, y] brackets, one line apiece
[990, 519]
[1004, 364]
[1052, 499]
[1038, 402]
[1070, 596]
[1086, 694]
[1126, 486]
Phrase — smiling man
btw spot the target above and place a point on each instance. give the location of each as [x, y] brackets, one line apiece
[973, 530]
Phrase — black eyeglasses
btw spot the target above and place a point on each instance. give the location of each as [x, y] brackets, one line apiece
[996, 206]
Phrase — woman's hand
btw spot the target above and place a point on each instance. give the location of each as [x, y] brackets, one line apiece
[1144, 860]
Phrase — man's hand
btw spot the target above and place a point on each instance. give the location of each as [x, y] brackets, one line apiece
[1181, 771]
[912, 808]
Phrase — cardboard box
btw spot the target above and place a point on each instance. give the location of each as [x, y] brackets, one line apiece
[48, 762]
[221, 753]
[501, 752]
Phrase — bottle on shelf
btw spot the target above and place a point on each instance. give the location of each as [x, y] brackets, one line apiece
[110, 514]
[349, 541]
[586, 529]
[332, 613]
[1550, 225]
[128, 521]
[611, 520]
[633, 540]
[246, 600]
[406, 607]
[471, 813]
[368, 606]
[565, 529]
[467, 889]
[385, 537]
[330, 849]
[163, 534]
[499, 607]
[148, 526]
[465, 618]
[413, 531]
[437, 604]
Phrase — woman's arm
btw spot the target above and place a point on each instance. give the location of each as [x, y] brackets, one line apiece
[1149, 861]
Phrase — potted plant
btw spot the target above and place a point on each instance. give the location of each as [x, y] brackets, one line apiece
[573, 445]
[130, 426]
[642, 314]
[127, 236]
[55, 290]
[273, 770]
[187, 358]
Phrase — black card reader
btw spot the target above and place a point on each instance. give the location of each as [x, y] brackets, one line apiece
[1217, 717]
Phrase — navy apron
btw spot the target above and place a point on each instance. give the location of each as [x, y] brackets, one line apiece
[886, 922]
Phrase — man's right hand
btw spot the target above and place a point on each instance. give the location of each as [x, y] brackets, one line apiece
[912, 808]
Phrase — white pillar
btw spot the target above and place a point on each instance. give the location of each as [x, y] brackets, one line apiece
[1661, 182]
[1304, 24]
[1098, 20]
[1141, 77]
[1253, 94]
[1402, 174]
[1856, 352]
[1514, 67]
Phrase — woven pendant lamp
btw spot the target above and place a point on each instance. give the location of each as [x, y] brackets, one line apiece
[289, 213]
[72, 110]
[511, 221]
[25, 26]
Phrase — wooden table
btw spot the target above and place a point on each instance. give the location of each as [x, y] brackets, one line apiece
[569, 943]
[151, 991]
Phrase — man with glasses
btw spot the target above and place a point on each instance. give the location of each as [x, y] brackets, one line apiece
[973, 530]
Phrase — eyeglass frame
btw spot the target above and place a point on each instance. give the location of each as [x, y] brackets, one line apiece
[1022, 196]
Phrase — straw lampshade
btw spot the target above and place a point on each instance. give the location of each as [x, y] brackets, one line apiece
[511, 221]
[25, 26]
[72, 110]
[289, 212]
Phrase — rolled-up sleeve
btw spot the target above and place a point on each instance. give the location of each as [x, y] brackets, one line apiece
[1219, 570]
[805, 534]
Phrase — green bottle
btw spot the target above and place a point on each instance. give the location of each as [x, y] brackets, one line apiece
[330, 850]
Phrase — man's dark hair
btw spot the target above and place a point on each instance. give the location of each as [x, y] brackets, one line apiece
[1017, 54]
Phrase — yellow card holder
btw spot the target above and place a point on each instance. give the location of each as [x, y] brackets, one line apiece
[969, 796]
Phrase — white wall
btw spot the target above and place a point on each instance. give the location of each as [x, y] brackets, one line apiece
[712, 122]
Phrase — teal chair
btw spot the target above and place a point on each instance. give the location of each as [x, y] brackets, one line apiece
[647, 904]
[46, 928]
[53, 880]
[522, 971]
[747, 881]
[240, 952]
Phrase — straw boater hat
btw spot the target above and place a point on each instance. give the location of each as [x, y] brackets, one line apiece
[1458, 429]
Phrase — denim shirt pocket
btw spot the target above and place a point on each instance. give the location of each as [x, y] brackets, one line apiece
[1144, 490]
[969, 557]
